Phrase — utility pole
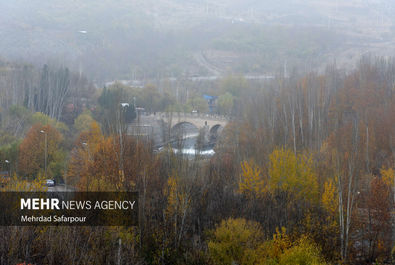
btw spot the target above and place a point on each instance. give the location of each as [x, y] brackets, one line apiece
[392, 138]
[285, 69]
[46, 151]
[393, 217]
[9, 167]
[122, 131]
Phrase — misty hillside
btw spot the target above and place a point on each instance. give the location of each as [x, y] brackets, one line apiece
[163, 38]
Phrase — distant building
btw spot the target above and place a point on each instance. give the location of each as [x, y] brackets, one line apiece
[212, 102]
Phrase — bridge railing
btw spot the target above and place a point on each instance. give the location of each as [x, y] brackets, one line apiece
[191, 115]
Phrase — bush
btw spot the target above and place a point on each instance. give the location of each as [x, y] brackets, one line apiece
[304, 252]
[235, 241]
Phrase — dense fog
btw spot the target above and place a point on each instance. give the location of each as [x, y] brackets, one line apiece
[138, 39]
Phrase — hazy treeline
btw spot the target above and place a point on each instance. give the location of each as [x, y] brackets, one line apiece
[47, 95]
[47, 90]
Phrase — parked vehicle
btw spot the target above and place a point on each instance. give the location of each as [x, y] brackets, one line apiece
[50, 183]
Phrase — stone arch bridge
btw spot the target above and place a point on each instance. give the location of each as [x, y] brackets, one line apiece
[190, 123]
[211, 123]
[174, 125]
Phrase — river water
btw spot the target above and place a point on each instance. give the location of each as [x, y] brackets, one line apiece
[188, 147]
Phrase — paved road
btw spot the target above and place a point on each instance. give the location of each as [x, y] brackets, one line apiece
[202, 61]
[60, 188]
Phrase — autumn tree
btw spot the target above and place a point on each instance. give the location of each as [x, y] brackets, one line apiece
[377, 216]
[32, 151]
[236, 241]
[302, 252]
[178, 204]
[240, 241]
[293, 174]
[83, 122]
[251, 181]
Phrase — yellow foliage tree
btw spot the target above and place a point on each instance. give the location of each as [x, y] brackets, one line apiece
[329, 198]
[282, 250]
[293, 174]
[17, 184]
[82, 156]
[251, 180]
[238, 241]
[178, 202]
[281, 241]
[178, 199]
[94, 164]
[303, 252]
[388, 176]
[235, 241]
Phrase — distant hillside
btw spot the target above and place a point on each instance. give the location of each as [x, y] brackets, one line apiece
[126, 39]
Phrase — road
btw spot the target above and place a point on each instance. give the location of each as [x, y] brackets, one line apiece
[202, 61]
[60, 188]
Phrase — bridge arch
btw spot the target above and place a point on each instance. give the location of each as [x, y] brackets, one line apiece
[216, 129]
[214, 132]
[183, 128]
